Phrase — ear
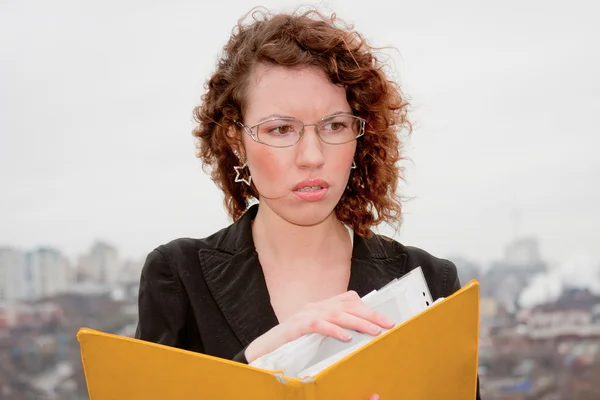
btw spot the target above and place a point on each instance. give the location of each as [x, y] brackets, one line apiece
[235, 142]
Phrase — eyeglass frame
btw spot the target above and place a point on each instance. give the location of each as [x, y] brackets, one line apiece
[249, 132]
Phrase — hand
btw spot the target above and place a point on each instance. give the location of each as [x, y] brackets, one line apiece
[374, 397]
[328, 317]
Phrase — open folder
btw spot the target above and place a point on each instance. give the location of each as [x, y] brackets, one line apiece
[432, 356]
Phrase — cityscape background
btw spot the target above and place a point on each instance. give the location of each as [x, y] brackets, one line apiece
[97, 168]
[540, 334]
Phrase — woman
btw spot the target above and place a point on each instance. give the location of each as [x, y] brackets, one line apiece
[300, 117]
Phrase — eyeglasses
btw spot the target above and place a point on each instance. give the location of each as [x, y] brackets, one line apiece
[287, 131]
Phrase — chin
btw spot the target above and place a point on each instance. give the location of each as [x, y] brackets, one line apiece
[304, 213]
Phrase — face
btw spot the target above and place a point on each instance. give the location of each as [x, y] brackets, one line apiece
[302, 183]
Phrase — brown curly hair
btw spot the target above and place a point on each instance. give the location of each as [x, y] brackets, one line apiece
[308, 39]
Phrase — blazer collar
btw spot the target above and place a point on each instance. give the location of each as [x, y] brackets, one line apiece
[236, 281]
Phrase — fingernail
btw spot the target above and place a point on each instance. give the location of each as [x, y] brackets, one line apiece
[346, 336]
[375, 329]
[389, 321]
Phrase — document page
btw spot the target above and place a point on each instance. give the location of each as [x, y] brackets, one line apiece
[401, 299]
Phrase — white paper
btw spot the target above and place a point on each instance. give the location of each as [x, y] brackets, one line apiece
[401, 299]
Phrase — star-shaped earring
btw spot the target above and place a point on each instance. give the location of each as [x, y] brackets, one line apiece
[238, 175]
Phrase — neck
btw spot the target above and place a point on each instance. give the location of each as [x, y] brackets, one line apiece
[290, 245]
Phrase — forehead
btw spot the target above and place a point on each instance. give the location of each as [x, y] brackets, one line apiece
[303, 92]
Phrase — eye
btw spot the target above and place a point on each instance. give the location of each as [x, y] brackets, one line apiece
[337, 123]
[334, 126]
[281, 129]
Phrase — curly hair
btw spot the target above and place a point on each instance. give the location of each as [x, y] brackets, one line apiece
[301, 40]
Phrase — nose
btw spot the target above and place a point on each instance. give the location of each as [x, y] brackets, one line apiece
[309, 150]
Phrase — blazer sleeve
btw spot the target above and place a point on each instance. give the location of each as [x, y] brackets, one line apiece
[241, 356]
[453, 284]
[451, 278]
[161, 305]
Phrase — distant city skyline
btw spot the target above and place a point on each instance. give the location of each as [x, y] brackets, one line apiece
[580, 270]
[127, 254]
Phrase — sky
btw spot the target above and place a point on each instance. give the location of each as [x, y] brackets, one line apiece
[96, 104]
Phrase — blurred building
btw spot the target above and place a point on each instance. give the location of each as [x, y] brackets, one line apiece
[574, 315]
[507, 278]
[43, 272]
[130, 273]
[101, 264]
[46, 273]
[12, 275]
[19, 315]
[524, 253]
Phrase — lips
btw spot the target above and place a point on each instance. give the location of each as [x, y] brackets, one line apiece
[311, 190]
[310, 185]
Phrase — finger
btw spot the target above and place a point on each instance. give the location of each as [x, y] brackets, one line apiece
[361, 311]
[374, 397]
[334, 302]
[350, 321]
[350, 295]
[318, 325]
[354, 302]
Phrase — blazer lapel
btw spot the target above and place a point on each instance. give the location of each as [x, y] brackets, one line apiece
[235, 279]
[374, 265]
[237, 284]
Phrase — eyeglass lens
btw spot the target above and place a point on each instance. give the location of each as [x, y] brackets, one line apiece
[337, 129]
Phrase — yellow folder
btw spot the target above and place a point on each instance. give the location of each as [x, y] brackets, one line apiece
[432, 356]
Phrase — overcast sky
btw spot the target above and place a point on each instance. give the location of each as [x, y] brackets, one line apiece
[96, 101]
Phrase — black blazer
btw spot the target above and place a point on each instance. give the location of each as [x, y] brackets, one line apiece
[209, 295]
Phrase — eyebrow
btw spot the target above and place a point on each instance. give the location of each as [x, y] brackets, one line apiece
[292, 117]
